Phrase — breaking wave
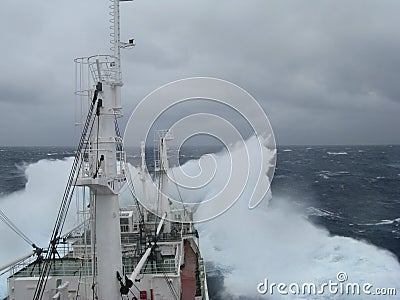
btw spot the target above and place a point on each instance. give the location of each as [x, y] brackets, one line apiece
[337, 153]
[33, 209]
[382, 222]
[277, 242]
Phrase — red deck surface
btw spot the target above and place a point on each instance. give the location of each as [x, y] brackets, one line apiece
[188, 274]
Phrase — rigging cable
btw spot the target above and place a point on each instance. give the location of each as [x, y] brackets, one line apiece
[98, 162]
[66, 201]
[159, 192]
[14, 228]
[118, 132]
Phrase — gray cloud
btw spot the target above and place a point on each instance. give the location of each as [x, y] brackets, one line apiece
[324, 71]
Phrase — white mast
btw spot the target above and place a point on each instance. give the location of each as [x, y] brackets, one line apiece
[108, 231]
[164, 166]
[106, 187]
[116, 42]
[105, 174]
[143, 175]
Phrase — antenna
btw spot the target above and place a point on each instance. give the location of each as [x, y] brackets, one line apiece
[116, 38]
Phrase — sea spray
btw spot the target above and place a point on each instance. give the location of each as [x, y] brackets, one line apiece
[280, 244]
[277, 242]
[33, 209]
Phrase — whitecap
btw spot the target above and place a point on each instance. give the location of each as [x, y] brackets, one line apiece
[313, 211]
[337, 153]
[382, 222]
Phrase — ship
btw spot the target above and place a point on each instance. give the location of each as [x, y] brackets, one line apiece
[112, 252]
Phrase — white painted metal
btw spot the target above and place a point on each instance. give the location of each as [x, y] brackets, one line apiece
[22, 288]
[108, 246]
[105, 183]
[140, 264]
[117, 42]
[143, 177]
[160, 224]
[143, 259]
[107, 231]
[165, 202]
[62, 292]
[143, 167]
[104, 178]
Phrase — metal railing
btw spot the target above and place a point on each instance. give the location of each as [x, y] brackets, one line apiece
[168, 265]
[100, 67]
[87, 170]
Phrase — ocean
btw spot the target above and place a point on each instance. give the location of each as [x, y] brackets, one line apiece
[332, 207]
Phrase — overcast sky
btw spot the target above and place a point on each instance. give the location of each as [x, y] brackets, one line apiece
[325, 72]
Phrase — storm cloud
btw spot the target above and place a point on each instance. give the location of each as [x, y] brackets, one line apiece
[325, 72]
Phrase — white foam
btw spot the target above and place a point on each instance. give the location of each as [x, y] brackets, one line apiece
[337, 153]
[283, 247]
[327, 174]
[313, 211]
[280, 244]
[382, 222]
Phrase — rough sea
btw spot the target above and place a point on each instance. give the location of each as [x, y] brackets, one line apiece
[345, 199]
